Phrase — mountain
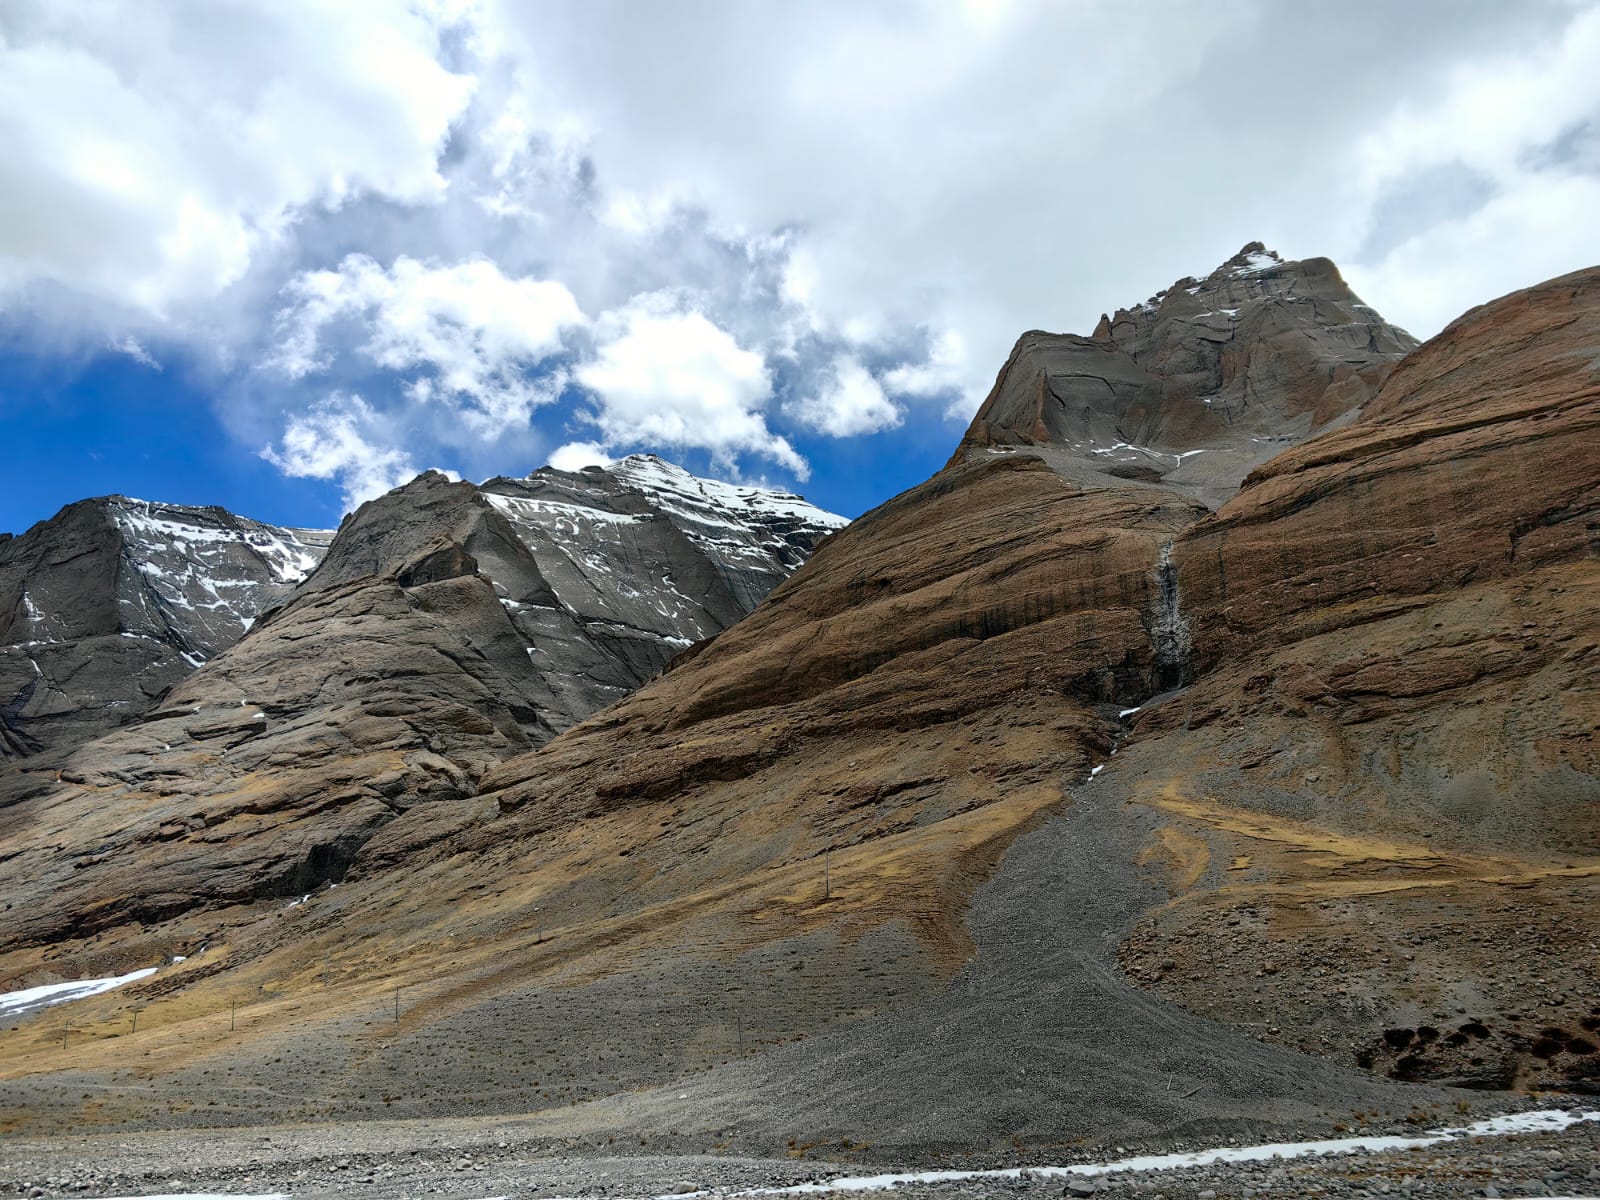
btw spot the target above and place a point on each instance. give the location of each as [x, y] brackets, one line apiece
[1199, 384]
[1040, 805]
[447, 627]
[112, 601]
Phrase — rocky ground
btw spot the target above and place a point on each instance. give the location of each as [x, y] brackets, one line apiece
[503, 1157]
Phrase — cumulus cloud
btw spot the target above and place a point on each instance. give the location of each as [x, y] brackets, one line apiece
[665, 375]
[152, 151]
[575, 456]
[944, 369]
[977, 170]
[341, 437]
[469, 334]
[848, 403]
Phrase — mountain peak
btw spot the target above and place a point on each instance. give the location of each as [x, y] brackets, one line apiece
[1253, 256]
[1197, 385]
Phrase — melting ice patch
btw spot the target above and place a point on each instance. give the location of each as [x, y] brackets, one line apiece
[15, 1004]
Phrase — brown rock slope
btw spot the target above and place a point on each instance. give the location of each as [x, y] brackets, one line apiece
[448, 628]
[877, 831]
[782, 837]
[1391, 733]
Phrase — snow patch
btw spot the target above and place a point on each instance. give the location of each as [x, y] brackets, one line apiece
[1545, 1121]
[14, 1004]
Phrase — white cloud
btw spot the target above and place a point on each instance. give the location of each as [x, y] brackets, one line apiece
[1500, 122]
[152, 151]
[1490, 112]
[848, 403]
[666, 375]
[1439, 273]
[941, 371]
[575, 456]
[134, 349]
[446, 188]
[335, 440]
[474, 333]
[976, 171]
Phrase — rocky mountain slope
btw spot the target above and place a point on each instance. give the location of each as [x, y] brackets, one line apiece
[1033, 808]
[447, 627]
[112, 601]
[1197, 385]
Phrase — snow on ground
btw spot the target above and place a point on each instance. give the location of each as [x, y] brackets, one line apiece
[710, 501]
[191, 556]
[14, 1004]
[1545, 1121]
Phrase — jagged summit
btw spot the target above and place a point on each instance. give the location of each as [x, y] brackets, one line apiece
[1198, 384]
[1252, 257]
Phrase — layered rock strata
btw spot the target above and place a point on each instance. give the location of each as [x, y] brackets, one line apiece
[448, 628]
[1396, 664]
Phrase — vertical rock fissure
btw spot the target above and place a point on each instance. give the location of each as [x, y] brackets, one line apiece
[1169, 632]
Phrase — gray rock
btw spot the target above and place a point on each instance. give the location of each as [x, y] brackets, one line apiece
[112, 601]
[447, 628]
[1198, 385]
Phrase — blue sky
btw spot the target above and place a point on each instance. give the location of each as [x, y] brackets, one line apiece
[281, 256]
[80, 425]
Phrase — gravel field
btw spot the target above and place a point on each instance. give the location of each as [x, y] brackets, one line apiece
[483, 1158]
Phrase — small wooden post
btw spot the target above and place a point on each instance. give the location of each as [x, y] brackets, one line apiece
[741, 1033]
[136, 1011]
[233, 1011]
[397, 1006]
[64, 1031]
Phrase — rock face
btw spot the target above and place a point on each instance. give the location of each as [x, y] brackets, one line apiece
[637, 562]
[1197, 385]
[112, 601]
[447, 628]
[1026, 810]
[1395, 666]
